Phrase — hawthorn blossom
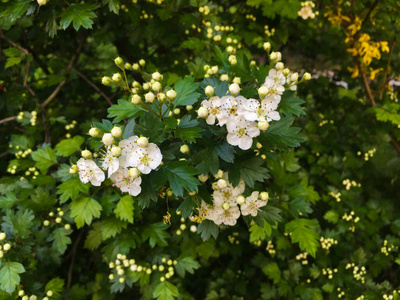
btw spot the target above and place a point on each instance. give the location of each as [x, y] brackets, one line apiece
[127, 183]
[226, 213]
[275, 81]
[252, 205]
[89, 171]
[110, 162]
[127, 146]
[241, 132]
[145, 159]
[214, 110]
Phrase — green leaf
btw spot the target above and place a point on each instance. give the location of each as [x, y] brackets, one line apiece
[291, 105]
[128, 130]
[206, 161]
[16, 8]
[188, 264]
[124, 209]
[226, 152]
[193, 43]
[331, 216]
[165, 291]
[80, 15]
[208, 228]
[151, 127]
[250, 170]
[258, 233]
[94, 238]
[156, 234]
[9, 277]
[56, 285]
[301, 232]
[300, 206]
[273, 272]
[124, 110]
[84, 210]
[113, 5]
[186, 91]
[42, 200]
[71, 189]
[188, 130]
[8, 201]
[271, 214]
[12, 61]
[110, 227]
[60, 239]
[180, 177]
[44, 158]
[69, 146]
[280, 136]
[19, 223]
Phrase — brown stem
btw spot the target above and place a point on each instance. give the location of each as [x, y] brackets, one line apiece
[7, 119]
[387, 70]
[4, 153]
[13, 43]
[364, 21]
[73, 251]
[394, 143]
[93, 86]
[366, 85]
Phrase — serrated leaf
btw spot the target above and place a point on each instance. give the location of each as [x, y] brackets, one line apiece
[110, 227]
[258, 233]
[124, 110]
[71, 189]
[250, 170]
[124, 209]
[186, 91]
[16, 8]
[56, 285]
[84, 210]
[186, 264]
[206, 161]
[301, 232]
[60, 239]
[165, 291]
[113, 5]
[180, 177]
[270, 214]
[9, 277]
[19, 223]
[69, 146]
[80, 15]
[8, 201]
[12, 61]
[208, 228]
[300, 206]
[273, 272]
[291, 105]
[94, 238]
[128, 130]
[193, 43]
[44, 158]
[156, 234]
[226, 152]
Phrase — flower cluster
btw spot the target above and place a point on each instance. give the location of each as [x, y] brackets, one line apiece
[244, 118]
[226, 202]
[306, 10]
[124, 163]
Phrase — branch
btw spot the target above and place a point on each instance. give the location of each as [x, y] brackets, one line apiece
[93, 86]
[387, 70]
[7, 119]
[394, 143]
[13, 43]
[73, 251]
[366, 85]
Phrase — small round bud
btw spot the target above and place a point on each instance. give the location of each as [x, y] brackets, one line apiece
[142, 62]
[263, 125]
[25, 298]
[142, 142]
[161, 97]
[185, 149]
[21, 293]
[285, 71]
[307, 76]
[156, 86]
[162, 279]
[203, 178]
[7, 247]
[149, 97]
[86, 154]
[202, 112]
[135, 67]
[119, 62]
[232, 59]
[234, 88]
[67, 226]
[273, 56]
[2, 236]
[106, 80]
[111, 276]
[171, 95]
[33, 297]
[226, 206]
[117, 77]
[264, 196]
[136, 99]
[222, 183]
[116, 132]
[49, 293]
[1, 254]
[237, 80]
[94, 132]
[263, 92]
[134, 172]
[189, 107]
[224, 77]
[58, 220]
[73, 169]
[209, 90]
[267, 46]
[193, 228]
[294, 77]
[156, 76]
[108, 139]
[128, 66]
[240, 199]
[121, 280]
[116, 151]
[46, 223]
[279, 66]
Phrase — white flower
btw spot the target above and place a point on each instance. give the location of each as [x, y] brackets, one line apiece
[145, 159]
[127, 146]
[89, 171]
[126, 183]
[226, 213]
[241, 132]
[268, 110]
[110, 162]
[275, 81]
[252, 205]
[213, 108]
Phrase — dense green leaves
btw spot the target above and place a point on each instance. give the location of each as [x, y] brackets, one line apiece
[84, 210]
[250, 170]
[186, 91]
[260, 233]
[181, 177]
[60, 239]
[71, 189]
[156, 234]
[80, 15]
[124, 209]
[186, 264]
[44, 158]
[165, 291]
[9, 276]
[301, 232]
[123, 110]
[69, 146]
[207, 229]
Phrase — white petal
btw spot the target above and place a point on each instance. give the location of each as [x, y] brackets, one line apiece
[245, 142]
[233, 139]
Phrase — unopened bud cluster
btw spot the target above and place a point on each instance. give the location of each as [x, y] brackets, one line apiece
[358, 272]
[350, 183]
[326, 243]
[367, 155]
[329, 272]
[303, 258]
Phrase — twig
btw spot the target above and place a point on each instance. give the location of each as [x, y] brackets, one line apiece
[394, 143]
[73, 251]
[13, 43]
[366, 85]
[381, 88]
[4, 153]
[367, 15]
[7, 119]
[93, 86]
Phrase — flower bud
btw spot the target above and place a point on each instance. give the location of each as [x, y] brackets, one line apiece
[214, 69]
[142, 142]
[7, 247]
[209, 90]
[149, 97]
[273, 56]
[146, 86]
[193, 228]
[46, 223]
[171, 95]
[240, 200]
[267, 46]
[203, 178]
[116, 132]
[237, 80]
[264, 196]
[189, 107]
[263, 125]
[94, 132]
[67, 226]
[224, 77]
[2, 236]
[142, 62]
[119, 62]
[135, 67]
[58, 220]
[106, 80]
[307, 76]
[232, 59]
[177, 111]
[42, 2]
[184, 149]
[156, 86]
[73, 169]
[49, 293]
[263, 92]
[134, 172]
[222, 183]
[202, 112]
[21, 293]
[294, 76]
[234, 88]
[136, 99]
[128, 66]
[86, 154]
[108, 139]
[285, 71]
[117, 77]
[279, 66]
[156, 76]
[226, 206]
[161, 97]
[116, 151]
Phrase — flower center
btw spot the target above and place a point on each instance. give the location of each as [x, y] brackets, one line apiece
[241, 132]
[145, 160]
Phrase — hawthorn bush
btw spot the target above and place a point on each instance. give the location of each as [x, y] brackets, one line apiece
[199, 150]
